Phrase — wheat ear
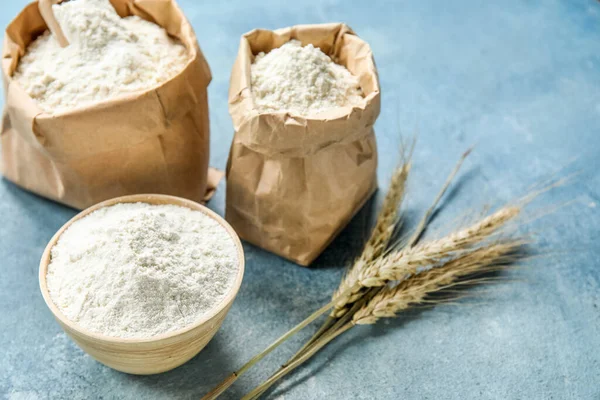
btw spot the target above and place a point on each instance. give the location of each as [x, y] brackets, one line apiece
[382, 232]
[414, 289]
[398, 264]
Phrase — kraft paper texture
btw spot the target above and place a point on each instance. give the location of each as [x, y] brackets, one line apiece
[294, 182]
[155, 141]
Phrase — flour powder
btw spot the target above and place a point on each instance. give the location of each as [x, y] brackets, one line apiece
[107, 56]
[139, 270]
[303, 80]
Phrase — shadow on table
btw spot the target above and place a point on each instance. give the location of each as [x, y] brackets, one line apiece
[191, 380]
[347, 245]
[28, 198]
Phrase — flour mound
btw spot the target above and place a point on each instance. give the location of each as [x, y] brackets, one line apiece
[140, 270]
[107, 57]
[302, 80]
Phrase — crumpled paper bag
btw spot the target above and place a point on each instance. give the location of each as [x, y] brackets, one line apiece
[155, 141]
[294, 182]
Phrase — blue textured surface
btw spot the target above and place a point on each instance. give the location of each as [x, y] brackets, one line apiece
[521, 79]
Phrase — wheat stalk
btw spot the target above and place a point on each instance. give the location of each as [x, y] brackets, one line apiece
[454, 253]
[378, 241]
[387, 222]
[411, 291]
[375, 268]
[395, 266]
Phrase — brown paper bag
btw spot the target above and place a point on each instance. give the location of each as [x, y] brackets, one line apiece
[155, 141]
[294, 182]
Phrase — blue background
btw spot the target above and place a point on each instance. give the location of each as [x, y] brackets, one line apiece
[521, 80]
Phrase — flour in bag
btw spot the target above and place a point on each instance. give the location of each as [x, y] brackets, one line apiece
[303, 80]
[107, 57]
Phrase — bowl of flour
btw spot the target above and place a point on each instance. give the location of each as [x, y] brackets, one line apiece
[142, 283]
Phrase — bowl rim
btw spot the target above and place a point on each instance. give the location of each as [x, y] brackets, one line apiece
[149, 199]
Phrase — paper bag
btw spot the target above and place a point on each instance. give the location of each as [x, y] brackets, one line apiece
[156, 141]
[294, 182]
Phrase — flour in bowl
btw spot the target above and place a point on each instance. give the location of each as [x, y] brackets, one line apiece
[140, 270]
[303, 80]
[107, 57]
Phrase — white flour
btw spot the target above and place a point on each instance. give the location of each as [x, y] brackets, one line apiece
[301, 79]
[107, 56]
[139, 270]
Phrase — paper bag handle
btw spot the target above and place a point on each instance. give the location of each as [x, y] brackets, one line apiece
[45, 7]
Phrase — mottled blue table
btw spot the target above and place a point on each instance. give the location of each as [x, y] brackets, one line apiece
[521, 80]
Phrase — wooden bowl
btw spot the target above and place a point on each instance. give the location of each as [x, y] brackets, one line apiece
[159, 353]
